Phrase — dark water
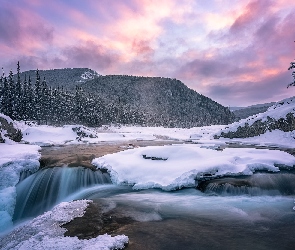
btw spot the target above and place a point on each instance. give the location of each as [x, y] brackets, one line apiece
[259, 184]
[189, 219]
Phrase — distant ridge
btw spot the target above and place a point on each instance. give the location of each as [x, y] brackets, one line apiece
[244, 112]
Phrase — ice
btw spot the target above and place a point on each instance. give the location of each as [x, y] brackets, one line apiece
[178, 166]
[15, 158]
[44, 232]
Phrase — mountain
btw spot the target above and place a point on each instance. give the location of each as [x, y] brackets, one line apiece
[158, 101]
[244, 112]
[167, 100]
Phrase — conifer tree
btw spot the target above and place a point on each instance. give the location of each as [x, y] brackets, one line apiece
[18, 96]
[10, 96]
[292, 66]
[5, 97]
[38, 99]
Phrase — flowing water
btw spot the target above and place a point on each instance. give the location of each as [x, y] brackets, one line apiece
[47, 187]
[190, 219]
[231, 213]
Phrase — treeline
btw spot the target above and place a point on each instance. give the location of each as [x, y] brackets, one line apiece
[36, 101]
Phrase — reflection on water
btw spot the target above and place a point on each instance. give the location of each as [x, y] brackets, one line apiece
[189, 219]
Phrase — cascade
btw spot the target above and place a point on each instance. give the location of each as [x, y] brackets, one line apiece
[47, 187]
[257, 184]
[24, 174]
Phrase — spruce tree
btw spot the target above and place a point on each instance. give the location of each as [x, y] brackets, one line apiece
[38, 99]
[5, 97]
[292, 66]
[18, 96]
[10, 96]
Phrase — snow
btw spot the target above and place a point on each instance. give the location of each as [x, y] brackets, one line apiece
[178, 166]
[45, 232]
[77, 134]
[44, 135]
[47, 135]
[15, 158]
[89, 75]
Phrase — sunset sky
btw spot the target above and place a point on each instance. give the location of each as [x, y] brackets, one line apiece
[236, 52]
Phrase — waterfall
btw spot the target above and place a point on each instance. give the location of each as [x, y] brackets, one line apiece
[257, 184]
[47, 187]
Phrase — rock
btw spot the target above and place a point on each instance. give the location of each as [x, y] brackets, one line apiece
[9, 130]
[97, 220]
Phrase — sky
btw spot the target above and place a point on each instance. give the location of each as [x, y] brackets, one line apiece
[236, 52]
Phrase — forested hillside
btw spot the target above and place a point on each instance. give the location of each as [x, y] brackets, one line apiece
[164, 101]
[68, 96]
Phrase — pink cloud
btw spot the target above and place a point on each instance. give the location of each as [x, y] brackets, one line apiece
[23, 30]
[225, 44]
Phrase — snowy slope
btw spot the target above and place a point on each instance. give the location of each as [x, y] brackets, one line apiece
[279, 116]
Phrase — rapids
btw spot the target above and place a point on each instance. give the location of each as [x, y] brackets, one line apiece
[249, 212]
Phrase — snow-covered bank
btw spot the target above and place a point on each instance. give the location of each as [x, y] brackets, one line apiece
[45, 232]
[15, 158]
[177, 166]
[44, 135]
[275, 127]
[49, 135]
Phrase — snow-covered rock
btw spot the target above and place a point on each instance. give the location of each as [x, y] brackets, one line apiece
[176, 166]
[45, 232]
[9, 131]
